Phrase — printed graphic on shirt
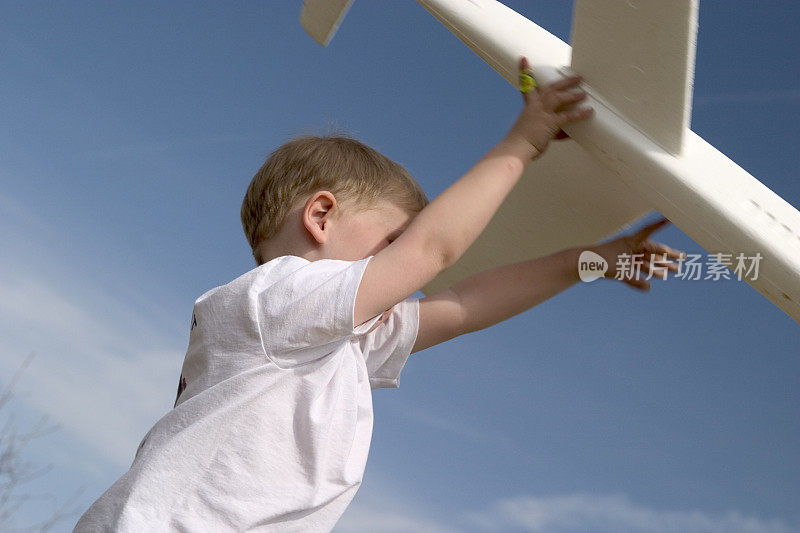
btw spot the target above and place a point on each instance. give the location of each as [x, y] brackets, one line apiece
[139, 449]
[181, 387]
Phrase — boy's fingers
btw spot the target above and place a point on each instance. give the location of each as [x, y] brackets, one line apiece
[564, 83]
[658, 265]
[574, 115]
[566, 98]
[645, 232]
[558, 100]
[663, 249]
[639, 284]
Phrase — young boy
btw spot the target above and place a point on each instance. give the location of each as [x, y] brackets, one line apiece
[272, 423]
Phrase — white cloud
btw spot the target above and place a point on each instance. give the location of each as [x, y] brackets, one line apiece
[105, 368]
[386, 510]
[365, 520]
[612, 513]
[380, 506]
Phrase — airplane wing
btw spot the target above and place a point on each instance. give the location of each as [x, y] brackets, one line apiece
[563, 199]
[567, 197]
[636, 153]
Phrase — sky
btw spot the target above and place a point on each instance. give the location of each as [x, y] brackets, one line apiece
[130, 132]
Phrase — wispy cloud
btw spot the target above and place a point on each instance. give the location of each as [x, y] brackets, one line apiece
[612, 513]
[104, 370]
[386, 509]
[366, 520]
[425, 417]
[380, 506]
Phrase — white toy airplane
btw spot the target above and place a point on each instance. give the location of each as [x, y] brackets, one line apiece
[636, 154]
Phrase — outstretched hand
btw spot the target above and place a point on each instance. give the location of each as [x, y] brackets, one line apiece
[547, 109]
[655, 258]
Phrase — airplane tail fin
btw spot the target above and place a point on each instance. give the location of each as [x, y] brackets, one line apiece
[639, 55]
[321, 18]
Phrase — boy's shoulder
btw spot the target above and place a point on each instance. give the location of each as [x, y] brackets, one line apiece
[274, 269]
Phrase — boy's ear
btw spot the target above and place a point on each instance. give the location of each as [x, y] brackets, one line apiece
[318, 212]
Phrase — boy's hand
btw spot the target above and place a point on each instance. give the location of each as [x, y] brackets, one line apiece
[654, 257]
[546, 110]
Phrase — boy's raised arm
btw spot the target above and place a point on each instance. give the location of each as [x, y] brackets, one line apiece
[442, 232]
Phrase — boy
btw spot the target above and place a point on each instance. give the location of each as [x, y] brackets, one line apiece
[273, 419]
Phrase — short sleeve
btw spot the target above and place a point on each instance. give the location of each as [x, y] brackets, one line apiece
[387, 347]
[309, 310]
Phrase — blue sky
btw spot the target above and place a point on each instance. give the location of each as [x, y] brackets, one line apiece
[130, 132]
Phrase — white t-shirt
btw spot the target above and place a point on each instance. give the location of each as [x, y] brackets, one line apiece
[273, 420]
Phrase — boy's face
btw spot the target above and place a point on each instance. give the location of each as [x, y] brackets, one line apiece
[358, 235]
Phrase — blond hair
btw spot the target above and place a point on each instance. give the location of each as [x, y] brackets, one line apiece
[357, 175]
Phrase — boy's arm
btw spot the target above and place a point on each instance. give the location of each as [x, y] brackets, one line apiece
[497, 294]
[446, 227]
[494, 295]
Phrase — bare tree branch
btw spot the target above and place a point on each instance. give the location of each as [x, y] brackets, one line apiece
[15, 471]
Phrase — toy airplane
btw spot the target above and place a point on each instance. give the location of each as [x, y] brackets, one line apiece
[636, 154]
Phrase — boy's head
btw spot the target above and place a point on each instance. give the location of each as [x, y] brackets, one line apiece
[327, 196]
